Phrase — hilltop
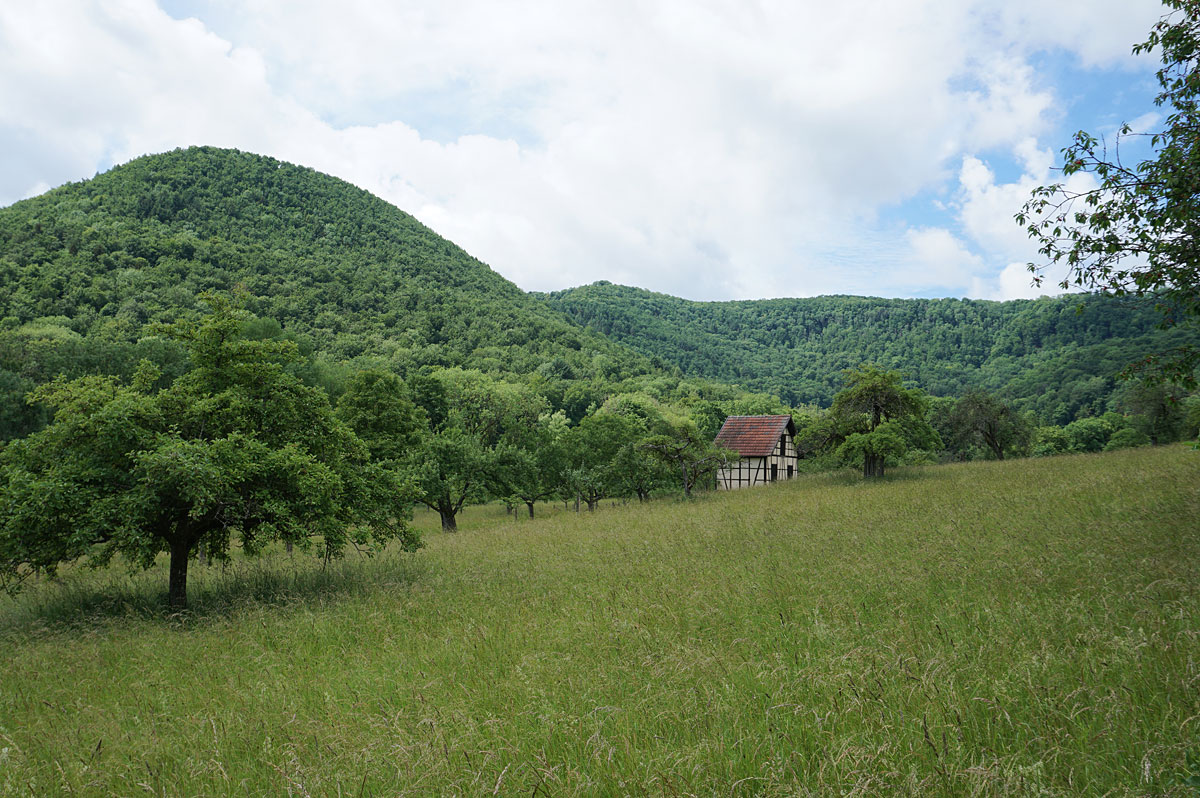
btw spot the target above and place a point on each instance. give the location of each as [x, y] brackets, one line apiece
[324, 258]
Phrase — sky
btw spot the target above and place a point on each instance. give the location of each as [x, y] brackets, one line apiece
[708, 149]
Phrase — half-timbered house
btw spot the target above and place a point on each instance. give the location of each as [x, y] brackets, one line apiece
[766, 446]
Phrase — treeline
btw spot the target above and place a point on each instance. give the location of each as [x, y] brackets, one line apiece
[235, 447]
[1057, 357]
[47, 348]
[878, 420]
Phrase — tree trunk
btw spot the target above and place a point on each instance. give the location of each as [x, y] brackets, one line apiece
[993, 443]
[591, 505]
[177, 591]
[687, 487]
[448, 522]
[530, 506]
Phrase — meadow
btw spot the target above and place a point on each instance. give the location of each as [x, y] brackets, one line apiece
[1025, 627]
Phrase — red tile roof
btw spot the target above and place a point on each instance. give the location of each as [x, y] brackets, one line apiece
[753, 436]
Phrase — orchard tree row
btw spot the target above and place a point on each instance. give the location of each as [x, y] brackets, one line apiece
[237, 450]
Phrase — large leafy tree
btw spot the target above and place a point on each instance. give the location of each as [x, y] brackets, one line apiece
[464, 450]
[236, 448]
[876, 417]
[682, 445]
[592, 447]
[690, 453]
[979, 417]
[450, 470]
[637, 471]
[1134, 229]
[378, 407]
[873, 447]
[531, 461]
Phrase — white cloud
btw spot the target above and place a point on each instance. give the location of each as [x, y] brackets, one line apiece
[1098, 32]
[714, 150]
[1010, 108]
[988, 207]
[986, 211]
[1017, 282]
[1148, 122]
[95, 83]
[942, 257]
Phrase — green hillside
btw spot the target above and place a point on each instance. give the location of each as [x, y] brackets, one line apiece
[1057, 356]
[86, 269]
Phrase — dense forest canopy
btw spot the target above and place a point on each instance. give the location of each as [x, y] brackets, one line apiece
[1056, 356]
[92, 270]
[89, 269]
[329, 261]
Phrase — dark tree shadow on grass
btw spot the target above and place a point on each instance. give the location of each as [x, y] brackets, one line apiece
[86, 599]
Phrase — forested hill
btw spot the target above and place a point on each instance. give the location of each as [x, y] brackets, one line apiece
[1057, 356]
[324, 258]
[86, 269]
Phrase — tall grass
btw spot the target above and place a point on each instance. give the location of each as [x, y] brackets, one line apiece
[1015, 628]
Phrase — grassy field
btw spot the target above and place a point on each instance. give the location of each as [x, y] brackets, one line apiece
[1018, 628]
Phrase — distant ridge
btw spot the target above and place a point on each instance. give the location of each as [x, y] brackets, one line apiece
[1057, 356]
